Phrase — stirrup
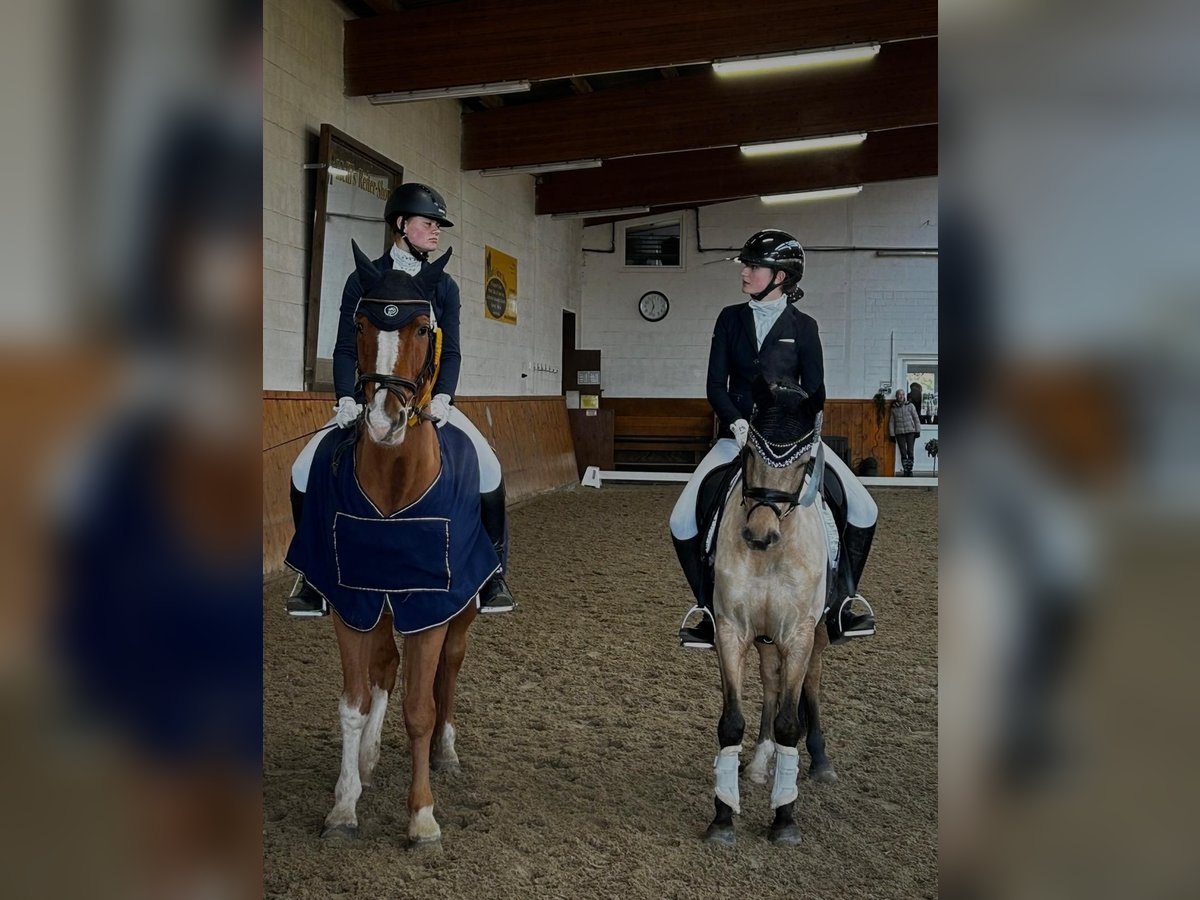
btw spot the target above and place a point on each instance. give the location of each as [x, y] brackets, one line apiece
[702, 609]
[695, 645]
[856, 632]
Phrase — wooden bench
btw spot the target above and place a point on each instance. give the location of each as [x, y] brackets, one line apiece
[659, 434]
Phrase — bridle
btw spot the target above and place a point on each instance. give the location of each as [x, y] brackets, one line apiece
[777, 456]
[414, 394]
[781, 455]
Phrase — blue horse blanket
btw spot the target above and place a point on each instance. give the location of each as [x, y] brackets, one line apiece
[427, 561]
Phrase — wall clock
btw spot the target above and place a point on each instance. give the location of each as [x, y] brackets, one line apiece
[654, 306]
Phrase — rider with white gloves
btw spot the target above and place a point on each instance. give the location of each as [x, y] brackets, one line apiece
[768, 337]
[416, 214]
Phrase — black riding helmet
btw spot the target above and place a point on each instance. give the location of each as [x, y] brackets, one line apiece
[779, 252]
[415, 199]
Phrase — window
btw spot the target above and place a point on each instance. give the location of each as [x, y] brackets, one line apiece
[653, 245]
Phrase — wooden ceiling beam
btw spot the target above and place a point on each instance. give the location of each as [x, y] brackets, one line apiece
[704, 176]
[897, 89]
[478, 41]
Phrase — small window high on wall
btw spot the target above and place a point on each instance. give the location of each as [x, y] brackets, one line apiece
[655, 245]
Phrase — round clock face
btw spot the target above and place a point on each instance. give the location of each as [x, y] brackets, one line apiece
[653, 306]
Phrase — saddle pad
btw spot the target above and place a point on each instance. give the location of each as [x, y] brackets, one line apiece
[367, 559]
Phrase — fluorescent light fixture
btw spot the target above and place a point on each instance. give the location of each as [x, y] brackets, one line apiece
[462, 90]
[539, 168]
[593, 213]
[811, 195]
[747, 65]
[913, 252]
[818, 143]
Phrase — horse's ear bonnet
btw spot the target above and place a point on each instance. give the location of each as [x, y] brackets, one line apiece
[391, 298]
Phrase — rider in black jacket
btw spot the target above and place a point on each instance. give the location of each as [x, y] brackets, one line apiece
[771, 338]
[416, 214]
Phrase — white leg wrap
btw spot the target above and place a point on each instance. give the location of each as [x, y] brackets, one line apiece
[756, 770]
[787, 767]
[726, 768]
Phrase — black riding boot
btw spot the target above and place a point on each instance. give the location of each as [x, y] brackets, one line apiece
[495, 597]
[691, 559]
[841, 621]
[304, 602]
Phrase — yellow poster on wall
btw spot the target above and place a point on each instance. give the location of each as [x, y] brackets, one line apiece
[499, 286]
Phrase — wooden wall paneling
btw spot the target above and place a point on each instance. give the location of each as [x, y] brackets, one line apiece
[532, 438]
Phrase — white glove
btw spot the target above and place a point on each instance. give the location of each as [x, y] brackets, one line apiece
[439, 409]
[741, 430]
[346, 412]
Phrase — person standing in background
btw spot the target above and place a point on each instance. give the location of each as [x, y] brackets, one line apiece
[903, 428]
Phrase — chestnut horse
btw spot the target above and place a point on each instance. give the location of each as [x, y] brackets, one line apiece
[397, 459]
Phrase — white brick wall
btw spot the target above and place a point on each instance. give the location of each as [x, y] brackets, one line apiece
[859, 300]
[303, 87]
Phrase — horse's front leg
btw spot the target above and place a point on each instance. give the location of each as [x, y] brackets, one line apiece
[768, 665]
[422, 652]
[385, 659]
[353, 710]
[731, 652]
[794, 655]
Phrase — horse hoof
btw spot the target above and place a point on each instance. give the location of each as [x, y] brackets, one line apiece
[756, 775]
[823, 775]
[721, 835]
[339, 833]
[449, 766]
[787, 836]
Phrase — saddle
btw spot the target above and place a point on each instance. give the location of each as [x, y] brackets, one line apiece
[715, 490]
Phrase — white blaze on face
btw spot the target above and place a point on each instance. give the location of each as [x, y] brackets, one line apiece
[386, 354]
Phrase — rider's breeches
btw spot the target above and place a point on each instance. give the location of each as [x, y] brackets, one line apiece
[861, 510]
[683, 516]
[489, 466]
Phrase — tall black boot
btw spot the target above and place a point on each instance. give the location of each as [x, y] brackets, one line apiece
[304, 602]
[495, 597]
[842, 622]
[691, 559]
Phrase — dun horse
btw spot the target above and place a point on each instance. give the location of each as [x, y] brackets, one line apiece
[771, 571]
[404, 477]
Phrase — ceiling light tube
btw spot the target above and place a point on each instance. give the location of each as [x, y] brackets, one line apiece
[748, 65]
[821, 194]
[462, 90]
[593, 213]
[828, 142]
[540, 168]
